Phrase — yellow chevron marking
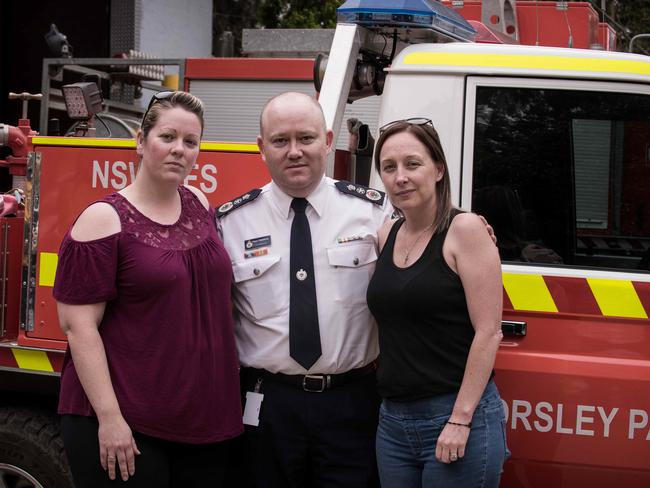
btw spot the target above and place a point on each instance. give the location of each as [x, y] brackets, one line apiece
[560, 63]
[47, 271]
[617, 298]
[35, 360]
[528, 292]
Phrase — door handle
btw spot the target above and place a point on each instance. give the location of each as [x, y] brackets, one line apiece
[513, 328]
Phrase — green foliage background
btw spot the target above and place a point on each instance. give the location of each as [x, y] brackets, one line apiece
[635, 14]
[235, 15]
[298, 14]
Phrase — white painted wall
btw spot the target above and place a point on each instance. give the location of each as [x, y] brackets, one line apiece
[176, 28]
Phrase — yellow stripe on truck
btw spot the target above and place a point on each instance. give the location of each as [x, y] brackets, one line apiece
[130, 144]
[83, 142]
[229, 146]
[528, 292]
[34, 360]
[617, 298]
[47, 271]
[561, 63]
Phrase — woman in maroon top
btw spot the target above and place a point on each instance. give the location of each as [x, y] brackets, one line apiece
[150, 379]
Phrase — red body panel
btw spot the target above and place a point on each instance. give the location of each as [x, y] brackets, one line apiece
[606, 36]
[13, 227]
[7, 359]
[250, 68]
[541, 23]
[576, 393]
[71, 178]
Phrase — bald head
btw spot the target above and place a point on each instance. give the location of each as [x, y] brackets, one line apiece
[294, 142]
[298, 103]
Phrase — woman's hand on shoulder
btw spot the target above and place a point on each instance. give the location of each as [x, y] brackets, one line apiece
[200, 195]
[384, 230]
[468, 240]
[97, 221]
[489, 229]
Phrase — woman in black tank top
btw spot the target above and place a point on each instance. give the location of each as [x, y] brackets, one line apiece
[436, 294]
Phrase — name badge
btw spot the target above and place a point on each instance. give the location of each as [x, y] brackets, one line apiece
[257, 242]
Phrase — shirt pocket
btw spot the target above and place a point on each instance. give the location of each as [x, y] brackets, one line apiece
[259, 295]
[352, 265]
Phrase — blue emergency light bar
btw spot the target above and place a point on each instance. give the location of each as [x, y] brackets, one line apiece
[424, 14]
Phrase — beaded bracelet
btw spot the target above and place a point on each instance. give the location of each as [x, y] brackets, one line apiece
[469, 426]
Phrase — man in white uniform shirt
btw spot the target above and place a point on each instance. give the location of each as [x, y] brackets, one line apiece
[318, 414]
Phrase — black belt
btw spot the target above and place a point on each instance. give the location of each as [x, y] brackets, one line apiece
[315, 383]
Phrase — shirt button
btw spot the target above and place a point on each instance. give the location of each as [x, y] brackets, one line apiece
[256, 271]
[355, 261]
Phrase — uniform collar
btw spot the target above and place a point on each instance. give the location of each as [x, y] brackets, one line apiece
[316, 198]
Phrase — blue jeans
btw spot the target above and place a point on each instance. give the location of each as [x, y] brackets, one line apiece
[407, 436]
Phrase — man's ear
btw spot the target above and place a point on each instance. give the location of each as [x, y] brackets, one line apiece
[329, 137]
[260, 145]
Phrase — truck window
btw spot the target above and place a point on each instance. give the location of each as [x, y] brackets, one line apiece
[563, 176]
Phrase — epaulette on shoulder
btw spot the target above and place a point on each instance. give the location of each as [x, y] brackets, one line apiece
[365, 193]
[238, 202]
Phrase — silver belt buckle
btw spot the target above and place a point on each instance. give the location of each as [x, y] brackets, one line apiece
[324, 382]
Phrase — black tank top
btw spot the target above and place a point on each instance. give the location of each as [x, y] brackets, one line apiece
[424, 327]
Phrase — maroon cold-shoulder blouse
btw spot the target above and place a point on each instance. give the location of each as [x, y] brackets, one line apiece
[167, 327]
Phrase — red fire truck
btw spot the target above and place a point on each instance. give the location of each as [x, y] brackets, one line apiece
[551, 144]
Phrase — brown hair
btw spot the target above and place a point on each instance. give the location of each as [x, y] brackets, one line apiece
[177, 99]
[428, 136]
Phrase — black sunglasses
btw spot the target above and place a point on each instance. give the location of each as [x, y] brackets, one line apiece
[412, 121]
[158, 96]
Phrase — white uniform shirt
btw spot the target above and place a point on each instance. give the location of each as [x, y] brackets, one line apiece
[344, 240]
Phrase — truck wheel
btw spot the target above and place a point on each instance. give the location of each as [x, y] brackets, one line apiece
[31, 450]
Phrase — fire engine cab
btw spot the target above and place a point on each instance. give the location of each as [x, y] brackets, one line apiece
[551, 145]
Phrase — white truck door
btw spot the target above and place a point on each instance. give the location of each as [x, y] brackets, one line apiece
[561, 169]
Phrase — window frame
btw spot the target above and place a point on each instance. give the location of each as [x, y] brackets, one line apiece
[473, 83]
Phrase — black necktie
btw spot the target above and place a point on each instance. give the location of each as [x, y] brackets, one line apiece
[304, 336]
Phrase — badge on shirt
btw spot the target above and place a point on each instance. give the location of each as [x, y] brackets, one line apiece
[256, 253]
[257, 242]
[343, 239]
[373, 195]
[301, 274]
[238, 202]
[363, 192]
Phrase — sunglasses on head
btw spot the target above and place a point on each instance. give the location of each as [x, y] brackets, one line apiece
[412, 121]
[163, 95]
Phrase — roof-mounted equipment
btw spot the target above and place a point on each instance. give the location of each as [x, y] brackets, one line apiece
[388, 15]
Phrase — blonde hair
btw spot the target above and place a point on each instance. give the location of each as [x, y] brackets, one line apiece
[177, 99]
